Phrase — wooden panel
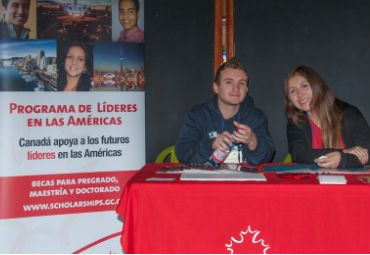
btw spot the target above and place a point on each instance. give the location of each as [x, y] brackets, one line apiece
[218, 34]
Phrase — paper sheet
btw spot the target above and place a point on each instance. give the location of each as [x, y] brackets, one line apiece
[222, 176]
[332, 179]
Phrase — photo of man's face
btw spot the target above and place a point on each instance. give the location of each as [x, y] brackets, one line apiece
[16, 12]
[128, 14]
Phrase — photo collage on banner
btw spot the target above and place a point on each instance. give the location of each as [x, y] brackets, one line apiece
[113, 59]
[72, 107]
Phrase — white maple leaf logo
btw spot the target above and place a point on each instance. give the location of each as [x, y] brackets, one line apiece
[248, 237]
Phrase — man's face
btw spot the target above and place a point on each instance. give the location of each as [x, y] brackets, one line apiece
[128, 14]
[16, 12]
[233, 86]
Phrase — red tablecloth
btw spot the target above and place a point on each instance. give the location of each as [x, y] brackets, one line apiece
[282, 215]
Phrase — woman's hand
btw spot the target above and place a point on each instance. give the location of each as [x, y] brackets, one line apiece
[245, 135]
[222, 142]
[361, 153]
[331, 160]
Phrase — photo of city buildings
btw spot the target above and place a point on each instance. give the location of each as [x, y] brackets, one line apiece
[118, 66]
[28, 65]
[74, 19]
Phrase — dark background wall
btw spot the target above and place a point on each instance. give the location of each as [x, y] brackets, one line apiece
[178, 66]
[271, 37]
[332, 36]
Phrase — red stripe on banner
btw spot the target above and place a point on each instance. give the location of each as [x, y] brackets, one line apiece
[97, 242]
[39, 195]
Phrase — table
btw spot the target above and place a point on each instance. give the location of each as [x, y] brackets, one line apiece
[281, 215]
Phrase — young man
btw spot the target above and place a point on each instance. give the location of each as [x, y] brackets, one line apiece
[128, 16]
[15, 13]
[230, 114]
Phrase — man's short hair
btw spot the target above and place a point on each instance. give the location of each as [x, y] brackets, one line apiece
[136, 3]
[5, 3]
[232, 63]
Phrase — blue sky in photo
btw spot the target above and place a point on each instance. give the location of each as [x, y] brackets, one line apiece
[107, 55]
[22, 48]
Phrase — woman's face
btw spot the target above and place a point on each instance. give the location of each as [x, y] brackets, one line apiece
[300, 93]
[75, 62]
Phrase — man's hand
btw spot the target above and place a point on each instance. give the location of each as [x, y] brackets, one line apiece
[245, 135]
[222, 142]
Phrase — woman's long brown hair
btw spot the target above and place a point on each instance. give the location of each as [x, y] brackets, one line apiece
[322, 105]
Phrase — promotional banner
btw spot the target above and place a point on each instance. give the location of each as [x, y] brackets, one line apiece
[72, 112]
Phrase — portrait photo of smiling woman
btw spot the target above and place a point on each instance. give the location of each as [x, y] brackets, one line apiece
[74, 66]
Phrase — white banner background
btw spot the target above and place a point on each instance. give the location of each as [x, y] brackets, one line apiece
[13, 126]
[61, 233]
[71, 232]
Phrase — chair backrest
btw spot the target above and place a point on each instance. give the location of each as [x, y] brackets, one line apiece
[288, 159]
[170, 151]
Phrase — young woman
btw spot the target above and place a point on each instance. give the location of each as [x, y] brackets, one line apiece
[74, 74]
[321, 128]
